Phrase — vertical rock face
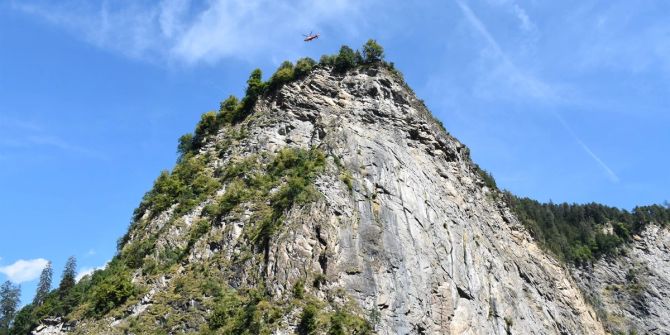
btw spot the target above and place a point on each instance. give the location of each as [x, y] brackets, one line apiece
[404, 233]
[419, 238]
[631, 291]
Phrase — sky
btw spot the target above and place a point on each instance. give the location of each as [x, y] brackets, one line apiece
[564, 101]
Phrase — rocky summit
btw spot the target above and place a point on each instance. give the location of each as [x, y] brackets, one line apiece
[336, 204]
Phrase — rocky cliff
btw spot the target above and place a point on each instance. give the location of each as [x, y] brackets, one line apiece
[339, 205]
[631, 292]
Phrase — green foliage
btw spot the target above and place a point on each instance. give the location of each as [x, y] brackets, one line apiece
[579, 233]
[345, 323]
[283, 75]
[188, 185]
[347, 179]
[489, 181]
[229, 105]
[185, 144]
[133, 254]
[9, 303]
[255, 85]
[303, 67]
[290, 174]
[372, 51]
[199, 229]
[327, 60]
[228, 109]
[68, 278]
[208, 125]
[24, 322]
[299, 289]
[308, 320]
[249, 313]
[44, 285]
[111, 288]
[346, 59]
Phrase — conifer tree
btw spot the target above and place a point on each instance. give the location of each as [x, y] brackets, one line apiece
[9, 302]
[68, 279]
[44, 285]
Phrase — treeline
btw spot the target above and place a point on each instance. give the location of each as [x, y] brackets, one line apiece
[97, 292]
[580, 233]
[13, 321]
[233, 110]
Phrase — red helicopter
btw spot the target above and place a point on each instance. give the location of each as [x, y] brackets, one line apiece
[311, 37]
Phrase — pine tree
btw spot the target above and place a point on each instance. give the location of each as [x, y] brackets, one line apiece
[9, 302]
[68, 279]
[44, 286]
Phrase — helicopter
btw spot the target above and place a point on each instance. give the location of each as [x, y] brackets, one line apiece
[310, 36]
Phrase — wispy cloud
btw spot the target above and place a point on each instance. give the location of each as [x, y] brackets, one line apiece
[506, 70]
[529, 85]
[24, 134]
[24, 270]
[610, 174]
[621, 36]
[191, 32]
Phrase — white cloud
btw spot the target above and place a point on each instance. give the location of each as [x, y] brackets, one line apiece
[524, 20]
[190, 32]
[24, 270]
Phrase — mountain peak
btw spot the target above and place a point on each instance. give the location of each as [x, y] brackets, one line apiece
[328, 200]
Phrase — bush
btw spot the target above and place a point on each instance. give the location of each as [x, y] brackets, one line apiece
[328, 60]
[299, 289]
[372, 52]
[244, 314]
[283, 75]
[110, 291]
[228, 109]
[185, 144]
[344, 323]
[208, 125]
[346, 59]
[303, 67]
[308, 320]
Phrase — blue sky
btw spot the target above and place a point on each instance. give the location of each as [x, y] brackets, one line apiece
[564, 100]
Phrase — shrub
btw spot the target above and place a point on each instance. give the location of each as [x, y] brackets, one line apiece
[199, 229]
[283, 75]
[299, 289]
[112, 290]
[346, 59]
[228, 109]
[185, 144]
[250, 313]
[208, 125]
[372, 52]
[308, 320]
[344, 323]
[328, 60]
[303, 67]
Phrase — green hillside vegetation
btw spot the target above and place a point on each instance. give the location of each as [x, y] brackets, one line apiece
[581, 233]
[578, 234]
[291, 172]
